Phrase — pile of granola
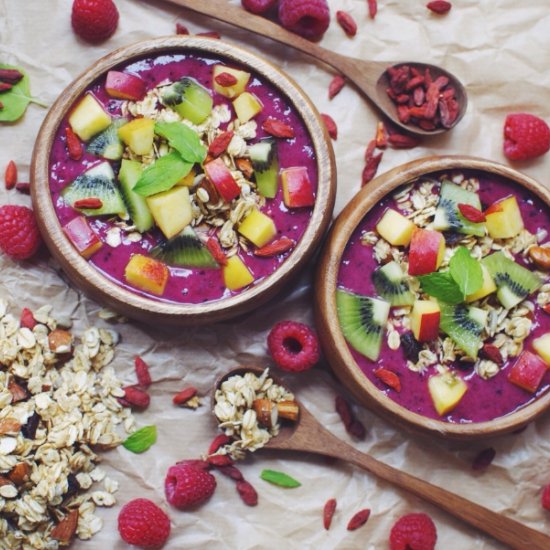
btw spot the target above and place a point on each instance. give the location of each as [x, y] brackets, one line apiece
[58, 407]
[507, 329]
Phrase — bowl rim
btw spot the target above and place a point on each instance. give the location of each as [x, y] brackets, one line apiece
[133, 304]
[335, 346]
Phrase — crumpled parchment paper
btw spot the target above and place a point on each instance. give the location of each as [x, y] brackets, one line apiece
[500, 50]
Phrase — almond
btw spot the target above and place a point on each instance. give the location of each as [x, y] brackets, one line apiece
[65, 530]
[288, 410]
[20, 473]
[540, 256]
[265, 412]
[60, 341]
[9, 426]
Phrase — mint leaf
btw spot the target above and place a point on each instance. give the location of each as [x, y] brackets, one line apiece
[17, 99]
[183, 139]
[162, 175]
[466, 271]
[279, 478]
[442, 286]
[141, 440]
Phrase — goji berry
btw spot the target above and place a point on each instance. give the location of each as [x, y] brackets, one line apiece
[217, 442]
[336, 85]
[284, 244]
[226, 79]
[483, 459]
[343, 409]
[373, 8]
[278, 128]
[181, 29]
[27, 319]
[74, 147]
[491, 352]
[381, 139]
[220, 460]
[347, 22]
[184, 395]
[231, 471]
[439, 6]
[220, 143]
[401, 141]
[359, 519]
[247, 493]
[471, 213]
[23, 187]
[371, 167]
[330, 125]
[389, 378]
[210, 34]
[10, 175]
[136, 397]
[214, 247]
[142, 372]
[89, 202]
[328, 512]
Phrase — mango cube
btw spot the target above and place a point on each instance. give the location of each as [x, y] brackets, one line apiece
[235, 89]
[171, 210]
[503, 219]
[89, 118]
[147, 274]
[542, 346]
[446, 391]
[235, 274]
[247, 106]
[487, 287]
[258, 228]
[138, 134]
[82, 236]
[395, 228]
[188, 180]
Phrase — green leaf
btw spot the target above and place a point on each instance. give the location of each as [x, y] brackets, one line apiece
[17, 99]
[141, 440]
[162, 175]
[442, 286]
[466, 271]
[279, 478]
[183, 139]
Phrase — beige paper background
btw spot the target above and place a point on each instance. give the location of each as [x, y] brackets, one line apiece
[500, 49]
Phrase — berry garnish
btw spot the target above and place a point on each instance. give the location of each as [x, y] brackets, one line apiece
[186, 485]
[142, 523]
[293, 346]
[526, 136]
[258, 6]
[19, 236]
[413, 531]
[94, 20]
[545, 498]
[308, 18]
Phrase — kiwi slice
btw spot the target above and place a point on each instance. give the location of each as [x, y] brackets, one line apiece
[98, 182]
[128, 176]
[362, 320]
[107, 144]
[390, 284]
[185, 250]
[265, 162]
[514, 282]
[189, 99]
[448, 216]
[464, 325]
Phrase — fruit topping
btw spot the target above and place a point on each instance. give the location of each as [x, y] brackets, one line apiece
[247, 106]
[88, 118]
[389, 378]
[358, 519]
[278, 128]
[74, 147]
[413, 531]
[229, 88]
[391, 285]
[395, 228]
[19, 235]
[526, 136]
[171, 210]
[187, 486]
[308, 18]
[235, 274]
[224, 182]
[138, 134]
[542, 346]
[487, 286]
[363, 320]
[446, 390]
[94, 20]
[279, 246]
[540, 256]
[83, 237]
[464, 325]
[293, 346]
[125, 86]
[143, 524]
[129, 174]
[426, 252]
[258, 228]
[10, 175]
[528, 371]
[146, 274]
[425, 318]
[503, 219]
[107, 143]
[297, 187]
[189, 99]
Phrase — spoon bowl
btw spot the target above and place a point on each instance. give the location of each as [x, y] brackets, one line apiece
[370, 77]
[308, 435]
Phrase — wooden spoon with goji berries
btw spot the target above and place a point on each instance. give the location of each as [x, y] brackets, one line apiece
[420, 98]
[305, 433]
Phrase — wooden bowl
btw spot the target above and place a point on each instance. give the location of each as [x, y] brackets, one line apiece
[131, 304]
[332, 338]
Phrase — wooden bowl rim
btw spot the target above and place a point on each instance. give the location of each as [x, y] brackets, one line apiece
[132, 304]
[336, 347]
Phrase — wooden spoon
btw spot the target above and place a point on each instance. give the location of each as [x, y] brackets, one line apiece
[308, 435]
[370, 77]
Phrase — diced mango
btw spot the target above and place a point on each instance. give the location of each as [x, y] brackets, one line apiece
[138, 134]
[247, 106]
[395, 228]
[503, 219]
[89, 118]
[171, 210]
[235, 274]
[258, 228]
[446, 391]
[235, 89]
[82, 236]
[188, 180]
[542, 346]
[488, 286]
[147, 274]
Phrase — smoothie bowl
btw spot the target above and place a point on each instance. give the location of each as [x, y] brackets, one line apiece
[182, 180]
[432, 297]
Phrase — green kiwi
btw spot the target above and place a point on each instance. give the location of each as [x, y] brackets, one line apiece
[390, 284]
[263, 156]
[362, 320]
[185, 250]
[128, 176]
[107, 144]
[189, 99]
[514, 282]
[464, 325]
[447, 214]
[97, 182]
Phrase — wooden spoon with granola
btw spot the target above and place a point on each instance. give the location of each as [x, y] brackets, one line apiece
[249, 404]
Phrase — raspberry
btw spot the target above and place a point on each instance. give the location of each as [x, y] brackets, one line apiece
[525, 136]
[19, 236]
[293, 346]
[258, 6]
[94, 20]
[545, 498]
[308, 18]
[413, 532]
[142, 523]
[187, 485]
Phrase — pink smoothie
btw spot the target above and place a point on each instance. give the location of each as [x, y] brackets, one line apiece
[485, 399]
[190, 285]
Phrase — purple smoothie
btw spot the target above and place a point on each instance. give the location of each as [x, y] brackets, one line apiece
[485, 399]
[190, 285]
